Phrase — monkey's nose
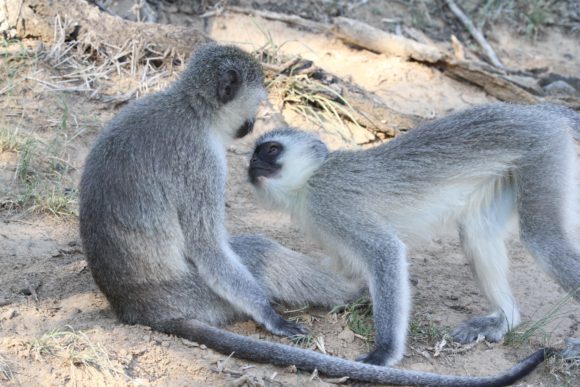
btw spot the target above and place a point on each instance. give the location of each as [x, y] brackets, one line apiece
[245, 129]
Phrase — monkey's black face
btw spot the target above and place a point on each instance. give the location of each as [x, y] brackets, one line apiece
[245, 129]
[264, 161]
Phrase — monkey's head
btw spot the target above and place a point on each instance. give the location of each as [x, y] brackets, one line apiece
[229, 84]
[282, 163]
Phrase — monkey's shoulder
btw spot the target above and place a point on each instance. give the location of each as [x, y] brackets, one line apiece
[162, 110]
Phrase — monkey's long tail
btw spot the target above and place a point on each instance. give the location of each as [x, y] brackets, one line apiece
[279, 354]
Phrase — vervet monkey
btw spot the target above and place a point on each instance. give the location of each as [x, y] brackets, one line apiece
[471, 170]
[152, 227]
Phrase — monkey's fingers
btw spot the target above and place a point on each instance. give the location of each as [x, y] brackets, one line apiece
[492, 328]
[288, 328]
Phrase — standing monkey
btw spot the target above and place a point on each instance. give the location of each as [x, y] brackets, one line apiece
[472, 170]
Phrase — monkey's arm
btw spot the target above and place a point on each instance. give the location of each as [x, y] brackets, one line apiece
[225, 273]
[383, 257]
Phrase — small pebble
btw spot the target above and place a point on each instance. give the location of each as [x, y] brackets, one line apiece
[560, 87]
[346, 335]
[189, 343]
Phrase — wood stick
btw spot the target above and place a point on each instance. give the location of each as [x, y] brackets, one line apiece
[374, 39]
[477, 35]
[290, 19]
[488, 78]
[494, 81]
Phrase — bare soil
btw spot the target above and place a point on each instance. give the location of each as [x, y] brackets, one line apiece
[57, 329]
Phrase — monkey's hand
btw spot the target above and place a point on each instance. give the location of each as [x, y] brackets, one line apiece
[378, 357]
[281, 327]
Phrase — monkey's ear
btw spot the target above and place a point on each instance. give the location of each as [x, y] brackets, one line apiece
[228, 86]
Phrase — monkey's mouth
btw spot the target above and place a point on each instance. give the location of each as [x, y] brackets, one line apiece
[245, 129]
[259, 173]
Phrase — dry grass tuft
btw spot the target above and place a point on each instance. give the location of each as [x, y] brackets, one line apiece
[359, 318]
[99, 69]
[41, 178]
[309, 342]
[9, 140]
[292, 85]
[563, 371]
[424, 330]
[14, 56]
[6, 372]
[76, 350]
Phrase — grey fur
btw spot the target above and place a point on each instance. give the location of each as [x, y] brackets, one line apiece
[471, 170]
[152, 198]
[152, 211]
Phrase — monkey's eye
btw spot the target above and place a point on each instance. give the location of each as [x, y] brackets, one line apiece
[269, 151]
[273, 149]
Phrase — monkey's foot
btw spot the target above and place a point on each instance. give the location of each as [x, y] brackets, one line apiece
[493, 328]
[287, 328]
[379, 357]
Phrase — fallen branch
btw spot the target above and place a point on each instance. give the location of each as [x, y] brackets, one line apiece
[290, 19]
[499, 82]
[477, 35]
[366, 108]
[494, 82]
[374, 39]
[374, 114]
[354, 32]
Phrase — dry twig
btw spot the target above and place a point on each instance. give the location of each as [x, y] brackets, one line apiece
[290, 19]
[477, 35]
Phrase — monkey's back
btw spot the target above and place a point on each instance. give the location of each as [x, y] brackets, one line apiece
[130, 206]
[430, 174]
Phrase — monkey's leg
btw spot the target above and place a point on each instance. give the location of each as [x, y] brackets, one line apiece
[482, 239]
[231, 279]
[547, 207]
[290, 277]
[384, 256]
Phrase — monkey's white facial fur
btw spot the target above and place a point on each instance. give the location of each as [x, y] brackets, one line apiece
[226, 83]
[235, 118]
[282, 163]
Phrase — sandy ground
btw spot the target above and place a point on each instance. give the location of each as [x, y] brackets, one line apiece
[57, 329]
